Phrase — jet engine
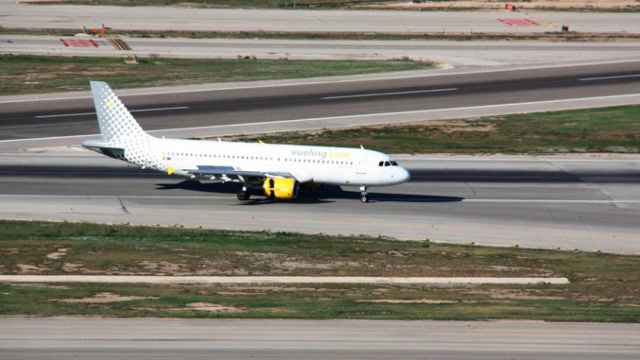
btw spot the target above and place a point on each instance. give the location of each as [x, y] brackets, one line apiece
[280, 188]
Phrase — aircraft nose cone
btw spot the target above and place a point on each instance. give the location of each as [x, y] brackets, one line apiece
[405, 176]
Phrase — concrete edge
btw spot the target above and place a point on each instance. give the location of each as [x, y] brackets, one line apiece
[133, 279]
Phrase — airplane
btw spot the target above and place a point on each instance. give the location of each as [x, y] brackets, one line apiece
[272, 170]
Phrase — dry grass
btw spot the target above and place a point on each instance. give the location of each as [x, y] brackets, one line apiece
[38, 74]
[603, 286]
[615, 129]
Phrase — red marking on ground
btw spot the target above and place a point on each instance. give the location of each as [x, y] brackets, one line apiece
[79, 42]
[518, 22]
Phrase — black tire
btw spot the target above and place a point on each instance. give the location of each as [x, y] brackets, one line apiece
[364, 199]
[243, 196]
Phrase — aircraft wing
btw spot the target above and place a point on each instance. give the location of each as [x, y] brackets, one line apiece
[230, 171]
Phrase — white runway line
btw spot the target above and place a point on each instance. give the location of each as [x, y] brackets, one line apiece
[389, 94]
[600, 78]
[552, 201]
[214, 280]
[93, 113]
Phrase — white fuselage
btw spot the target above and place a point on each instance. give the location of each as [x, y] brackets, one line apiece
[318, 164]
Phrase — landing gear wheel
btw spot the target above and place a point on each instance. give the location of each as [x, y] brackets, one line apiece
[243, 194]
[363, 194]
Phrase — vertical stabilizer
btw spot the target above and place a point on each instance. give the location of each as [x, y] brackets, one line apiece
[114, 120]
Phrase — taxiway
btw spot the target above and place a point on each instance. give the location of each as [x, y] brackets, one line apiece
[94, 339]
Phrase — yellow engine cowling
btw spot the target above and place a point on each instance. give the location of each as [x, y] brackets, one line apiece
[280, 188]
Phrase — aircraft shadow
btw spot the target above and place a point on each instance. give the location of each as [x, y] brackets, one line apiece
[325, 194]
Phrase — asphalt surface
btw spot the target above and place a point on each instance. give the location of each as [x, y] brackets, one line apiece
[37, 118]
[93, 339]
[550, 203]
[588, 204]
[455, 53]
[14, 15]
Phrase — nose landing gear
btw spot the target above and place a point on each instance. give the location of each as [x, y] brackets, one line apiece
[243, 194]
[363, 194]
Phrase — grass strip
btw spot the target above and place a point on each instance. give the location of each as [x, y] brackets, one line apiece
[332, 35]
[613, 129]
[20, 74]
[437, 5]
[603, 288]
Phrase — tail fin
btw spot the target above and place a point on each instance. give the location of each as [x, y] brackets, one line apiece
[114, 120]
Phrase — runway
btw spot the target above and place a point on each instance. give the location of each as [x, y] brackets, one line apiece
[580, 203]
[262, 106]
[93, 339]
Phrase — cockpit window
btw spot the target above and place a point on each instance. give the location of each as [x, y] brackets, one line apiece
[386, 163]
[393, 163]
[381, 163]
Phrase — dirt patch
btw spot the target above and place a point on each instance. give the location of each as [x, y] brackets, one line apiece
[31, 269]
[238, 293]
[275, 310]
[39, 285]
[460, 126]
[71, 267]
[252, 290]
[58, 254]
[104, 298]
[162, 267]
[616, 5]
[406, 301]
[10, 251]
[514, 294]
[300, 264]
[217, 308]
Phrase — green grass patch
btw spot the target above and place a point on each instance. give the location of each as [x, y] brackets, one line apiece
[37, 74]
[614, 129]
[296, 302]
[603, 286]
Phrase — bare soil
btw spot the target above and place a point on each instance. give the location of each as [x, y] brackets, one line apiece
[578, 5]
[103, 298]
[217, 308]
[402, 301]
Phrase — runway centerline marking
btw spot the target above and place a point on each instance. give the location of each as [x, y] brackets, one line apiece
[552, 201]
[615, 77]
[391, 93]
[170, 108]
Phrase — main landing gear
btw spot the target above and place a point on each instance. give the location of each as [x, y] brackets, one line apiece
[243, 194]
[363, 194]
